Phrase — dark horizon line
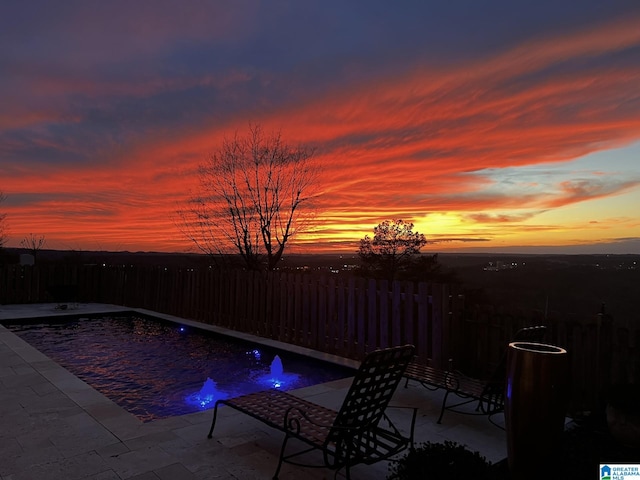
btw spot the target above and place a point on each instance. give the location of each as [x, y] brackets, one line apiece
[336, 254]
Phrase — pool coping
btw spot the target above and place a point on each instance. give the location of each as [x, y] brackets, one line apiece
[308, 352]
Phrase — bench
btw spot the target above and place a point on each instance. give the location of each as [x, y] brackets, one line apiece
[489, 394]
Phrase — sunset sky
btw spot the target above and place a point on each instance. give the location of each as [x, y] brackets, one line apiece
[494, 125]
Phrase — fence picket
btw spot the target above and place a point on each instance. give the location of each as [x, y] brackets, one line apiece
[351, 318]
[372, 317]
[397, 330]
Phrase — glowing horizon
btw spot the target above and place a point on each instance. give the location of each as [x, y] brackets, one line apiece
[483, 137]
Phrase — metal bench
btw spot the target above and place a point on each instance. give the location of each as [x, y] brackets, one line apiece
[489, 394]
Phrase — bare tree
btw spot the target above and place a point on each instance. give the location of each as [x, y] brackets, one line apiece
[391, 250]
[3, 226]
[33, 243]
[254, 195]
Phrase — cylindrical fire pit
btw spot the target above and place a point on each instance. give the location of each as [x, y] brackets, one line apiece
[535, 406]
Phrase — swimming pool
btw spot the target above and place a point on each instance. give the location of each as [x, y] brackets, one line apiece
[156, 369]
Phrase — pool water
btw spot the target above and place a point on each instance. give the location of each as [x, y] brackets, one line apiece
[156, 369]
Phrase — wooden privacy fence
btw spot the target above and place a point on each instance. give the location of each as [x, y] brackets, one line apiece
[345, 316]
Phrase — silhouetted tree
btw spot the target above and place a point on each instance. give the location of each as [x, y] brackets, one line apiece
[3, 227]
[33, 243]
[253, 196]
[391, 250]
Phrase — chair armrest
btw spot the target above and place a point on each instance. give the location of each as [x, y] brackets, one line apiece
[405, 407]
[414, 414]
[294, 414]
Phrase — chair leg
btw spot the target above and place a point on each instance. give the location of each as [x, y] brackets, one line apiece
[284, 445]
[444, 406]
[213, 423]
[347, 472]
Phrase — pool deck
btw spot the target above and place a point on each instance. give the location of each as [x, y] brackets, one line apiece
[53, 426]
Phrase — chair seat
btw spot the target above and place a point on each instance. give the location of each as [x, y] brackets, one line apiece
[271, 407]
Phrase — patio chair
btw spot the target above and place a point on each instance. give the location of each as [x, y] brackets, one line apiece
[360, 432]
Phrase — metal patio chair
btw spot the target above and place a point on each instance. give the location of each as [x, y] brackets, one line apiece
[360, 432]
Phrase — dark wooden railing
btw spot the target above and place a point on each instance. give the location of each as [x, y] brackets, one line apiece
[345, 316]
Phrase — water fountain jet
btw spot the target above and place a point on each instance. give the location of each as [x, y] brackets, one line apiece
[276, 367]
[277, 378]
[207, 395]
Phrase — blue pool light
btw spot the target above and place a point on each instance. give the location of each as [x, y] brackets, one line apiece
[255, 353]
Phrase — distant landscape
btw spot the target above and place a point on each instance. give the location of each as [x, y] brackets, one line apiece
[583, 285]
[568, 284]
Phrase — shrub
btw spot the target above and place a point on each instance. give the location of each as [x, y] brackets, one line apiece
[440, 461]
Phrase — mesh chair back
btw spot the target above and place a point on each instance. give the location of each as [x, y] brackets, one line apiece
[373, 387]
